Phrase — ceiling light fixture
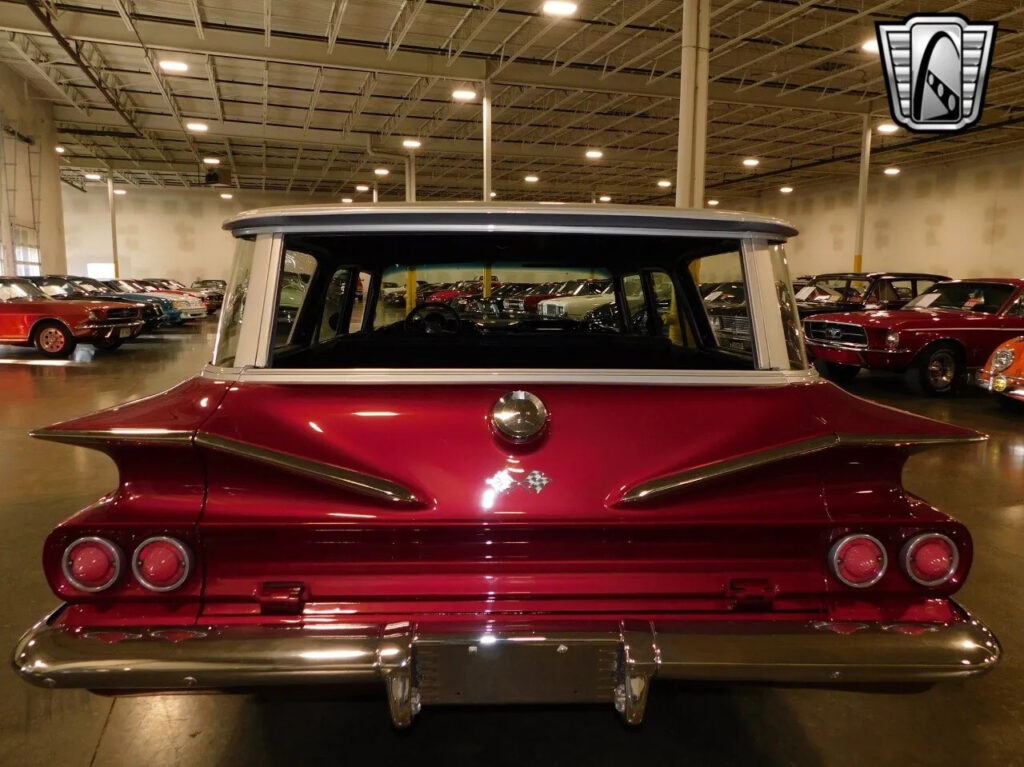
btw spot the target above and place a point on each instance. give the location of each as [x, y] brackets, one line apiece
[59, 149]
[226, 195]
[664, 183]
[887, 128]
[362, 188]
[93, 176]
[786, 189]
[197, 127]
[381, 172]
[211, 161]
[751, 162]
[712, 203]
[594, 154]
[559, 8]
[174, 66]
[463, 94]
[411, 143]
[493, 195]
[120, 191]
[605, 198]
[531, 179]
[870, 46]
[346, 200]
[891, 171]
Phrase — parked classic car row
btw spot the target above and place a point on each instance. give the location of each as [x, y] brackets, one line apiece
[55, 313]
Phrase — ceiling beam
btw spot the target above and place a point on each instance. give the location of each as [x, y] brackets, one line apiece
[250, 44]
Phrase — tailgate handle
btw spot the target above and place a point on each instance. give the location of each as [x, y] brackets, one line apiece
[282, 598]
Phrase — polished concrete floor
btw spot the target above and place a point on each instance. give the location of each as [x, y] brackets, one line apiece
[970, 723]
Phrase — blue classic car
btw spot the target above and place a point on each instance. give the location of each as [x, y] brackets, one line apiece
[172, 315]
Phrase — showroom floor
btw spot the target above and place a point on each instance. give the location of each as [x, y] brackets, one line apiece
[975, 722]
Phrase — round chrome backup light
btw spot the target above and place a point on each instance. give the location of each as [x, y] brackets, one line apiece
[161, 563]
[91, 564]
[858, 560]
[519, 416]
[930, 559]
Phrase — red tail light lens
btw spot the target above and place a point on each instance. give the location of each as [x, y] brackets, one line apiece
[161, 564]
[91, 564]
[858, 560]
[930, 559]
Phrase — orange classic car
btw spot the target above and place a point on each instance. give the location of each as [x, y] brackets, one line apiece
[1004, 373]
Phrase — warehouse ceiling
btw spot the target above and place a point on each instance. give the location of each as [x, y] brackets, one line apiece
[313, 95]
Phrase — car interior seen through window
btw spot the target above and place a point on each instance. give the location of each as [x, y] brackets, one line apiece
[512, 301]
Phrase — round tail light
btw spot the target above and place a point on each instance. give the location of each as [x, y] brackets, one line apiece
[930, 559]
[161, 564]
[91, 564]
[858, 560]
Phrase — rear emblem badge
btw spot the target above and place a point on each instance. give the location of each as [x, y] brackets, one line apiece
[519, 416]
[503, 481]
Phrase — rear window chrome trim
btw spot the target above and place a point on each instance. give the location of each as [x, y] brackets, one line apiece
[511, 376]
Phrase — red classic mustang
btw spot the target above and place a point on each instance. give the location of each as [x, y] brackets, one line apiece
[29, 317]
[935, 339]
[607, 506]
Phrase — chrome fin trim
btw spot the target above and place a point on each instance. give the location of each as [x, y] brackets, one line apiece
[93, 437]
[365, 484]
[671, 483]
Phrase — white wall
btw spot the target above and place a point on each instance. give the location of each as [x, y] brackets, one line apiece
[31, 114]
[172, 233]
[963, 219]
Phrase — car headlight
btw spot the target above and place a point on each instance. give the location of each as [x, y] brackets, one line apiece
[93, 314]
[1001, 360]
[892, 340]
[716, 322]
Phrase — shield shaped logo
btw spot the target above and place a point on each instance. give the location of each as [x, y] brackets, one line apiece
[936, 69]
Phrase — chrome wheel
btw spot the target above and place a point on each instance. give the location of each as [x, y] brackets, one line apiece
[941, 369]
[52, 340]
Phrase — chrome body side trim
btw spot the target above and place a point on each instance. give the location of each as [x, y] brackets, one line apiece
[612, 662]
[358, 482]
[671, 483]
[88, 438]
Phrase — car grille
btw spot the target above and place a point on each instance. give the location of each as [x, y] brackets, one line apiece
[835, 333]
[552, 310]
[735, 323]
[126, 313]
[515, 304]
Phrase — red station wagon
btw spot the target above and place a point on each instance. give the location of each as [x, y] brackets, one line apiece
[935, 339]
[29, 317]
[505, 511]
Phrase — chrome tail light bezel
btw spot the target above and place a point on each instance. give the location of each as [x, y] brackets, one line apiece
[182, 548]
[915, 542]
[833, 560]
[110, 546]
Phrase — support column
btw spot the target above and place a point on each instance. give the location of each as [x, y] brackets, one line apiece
[375, 191]
[487, 140]
[7, 266]
[862, 193]
[693, 104]
[113, 224]
[410, 178]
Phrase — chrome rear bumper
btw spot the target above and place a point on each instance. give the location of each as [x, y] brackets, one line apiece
[613, 664]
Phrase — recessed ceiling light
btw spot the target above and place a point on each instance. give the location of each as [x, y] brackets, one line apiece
[411, 143]
[594, 154]
[59, 149]
[493, 195]
[664, 183]
[93, 176]
[346, 200]
[197, 127]
[463, 94]
[120, 191]
[226, 195]
[786, 189]
[605, 198]
[362, 188]
[530, 179]
[211, 161]
[891, 171]
[559, 8]
[380, 171]
[751, 162]
[870, 46]
[173, 66]
[888, 128]
[712, 203]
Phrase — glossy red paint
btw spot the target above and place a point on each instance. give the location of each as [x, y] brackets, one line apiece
[87, 320]
[977, 334]
[753, 540]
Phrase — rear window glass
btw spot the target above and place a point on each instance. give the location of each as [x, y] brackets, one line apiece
[510, 301]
